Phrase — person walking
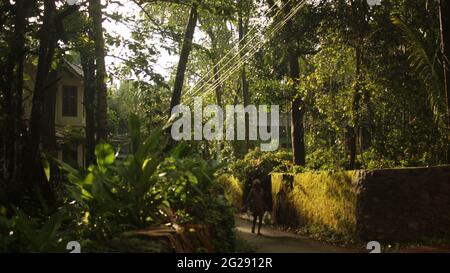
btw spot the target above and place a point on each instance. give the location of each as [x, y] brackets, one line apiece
[255, 201]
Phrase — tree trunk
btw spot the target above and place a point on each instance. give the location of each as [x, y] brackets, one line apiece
[12, 85]
[48, 114]
[355, 111]
[218, 89]
[32, 171]
[47, 46]
[184, 57]
[444, 11]
[48, 125]
[19, 48]
[360, 26]
[95, 12]
[297, 114]
[215, 59]
[297, 111]
[244, 82]
[88, 64]
[368, 129]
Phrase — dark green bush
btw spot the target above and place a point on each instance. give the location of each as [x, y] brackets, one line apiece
[151, 186]
[31, 234]
[220, 218]
[259, 164]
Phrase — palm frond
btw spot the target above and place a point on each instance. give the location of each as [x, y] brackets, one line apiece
[425, 67]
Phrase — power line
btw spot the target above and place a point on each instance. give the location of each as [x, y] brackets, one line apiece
[255, 48]
[230, 51]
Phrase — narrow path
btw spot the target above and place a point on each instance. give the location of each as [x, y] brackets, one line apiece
[276, 241]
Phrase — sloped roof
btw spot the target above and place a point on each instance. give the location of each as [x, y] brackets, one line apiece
[76, 69]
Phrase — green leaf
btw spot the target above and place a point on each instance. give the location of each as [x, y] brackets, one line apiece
[46, 166]
[192, 178]
[152, 143]
[48, 231]
[134, 125]
[104, 154]
[148, 171]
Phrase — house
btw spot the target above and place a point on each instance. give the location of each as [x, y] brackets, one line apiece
[70, 117]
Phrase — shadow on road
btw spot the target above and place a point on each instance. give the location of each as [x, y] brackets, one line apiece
[276, 241]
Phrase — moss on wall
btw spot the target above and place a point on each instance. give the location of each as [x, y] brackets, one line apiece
[389, 205]
[323, 198]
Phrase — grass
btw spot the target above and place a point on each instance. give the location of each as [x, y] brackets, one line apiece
[325, 234]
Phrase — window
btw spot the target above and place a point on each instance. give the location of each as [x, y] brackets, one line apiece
[69, 101]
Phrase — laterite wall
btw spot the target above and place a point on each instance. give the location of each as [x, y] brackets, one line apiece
[386, 205]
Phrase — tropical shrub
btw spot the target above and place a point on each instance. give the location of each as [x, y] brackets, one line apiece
[31, 234]
[152, 185]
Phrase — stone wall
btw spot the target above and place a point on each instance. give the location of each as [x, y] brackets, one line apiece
[324, 198]
[404, 204]
[385, 205]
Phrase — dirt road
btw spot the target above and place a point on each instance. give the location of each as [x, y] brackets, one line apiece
[276, 241]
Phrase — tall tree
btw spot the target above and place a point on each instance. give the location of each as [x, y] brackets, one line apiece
[11, 83]
[297, 112]
[297, 107]
[184, 56]
[47, 44]
[242, 29]
[88, 64]
[95, 13]
[215, 59]
[48, 114]
[359, 28]
[51, 31]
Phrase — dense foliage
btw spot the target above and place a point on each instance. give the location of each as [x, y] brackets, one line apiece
[360, 84]
[149, 187]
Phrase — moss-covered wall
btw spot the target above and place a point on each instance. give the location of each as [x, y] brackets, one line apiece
[386, 205]
[324, 198]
